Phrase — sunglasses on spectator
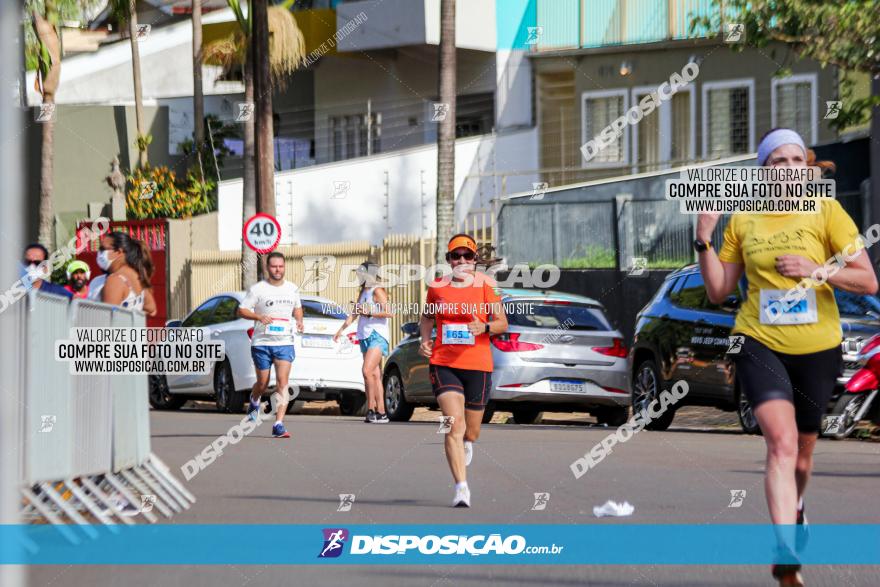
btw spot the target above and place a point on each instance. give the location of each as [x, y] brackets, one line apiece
[469, 256]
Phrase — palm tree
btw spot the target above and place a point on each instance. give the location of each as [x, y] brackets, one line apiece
[446, 134]
[286, 53]
[43, 50]
[198, 94]
[126, 10]
[48, 77]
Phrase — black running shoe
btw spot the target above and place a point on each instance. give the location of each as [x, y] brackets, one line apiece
[371, 417]
[381, 419]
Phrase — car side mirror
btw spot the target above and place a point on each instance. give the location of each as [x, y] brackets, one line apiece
[410, 328]
[173, 324]
[731, 304]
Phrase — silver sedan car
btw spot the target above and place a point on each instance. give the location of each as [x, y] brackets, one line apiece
[559, 354]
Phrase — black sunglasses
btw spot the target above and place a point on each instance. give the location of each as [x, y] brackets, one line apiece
[453, 256]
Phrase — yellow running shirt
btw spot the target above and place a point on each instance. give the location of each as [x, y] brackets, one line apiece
[757, 239]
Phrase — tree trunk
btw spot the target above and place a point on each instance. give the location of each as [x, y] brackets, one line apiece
[136, 75]
[265, 156]
[198, 96]
[48, 36]
[47, 166]
[446, 134]
[249, 200]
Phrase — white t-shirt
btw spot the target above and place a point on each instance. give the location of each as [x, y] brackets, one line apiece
[277, 302]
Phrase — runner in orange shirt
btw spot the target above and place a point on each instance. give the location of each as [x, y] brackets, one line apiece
[467, 310]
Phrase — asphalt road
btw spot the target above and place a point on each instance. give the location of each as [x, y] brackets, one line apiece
[398, 475]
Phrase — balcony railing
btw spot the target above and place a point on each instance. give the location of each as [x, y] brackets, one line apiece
[568, 24]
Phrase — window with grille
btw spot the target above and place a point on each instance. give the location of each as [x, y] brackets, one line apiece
[349, 135]
[793, 105]
[728, 120]
[600, 109]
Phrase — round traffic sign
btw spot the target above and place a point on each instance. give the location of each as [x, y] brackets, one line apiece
[262, 233]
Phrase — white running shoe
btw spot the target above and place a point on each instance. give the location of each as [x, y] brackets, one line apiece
[462, 498]
[468, 452]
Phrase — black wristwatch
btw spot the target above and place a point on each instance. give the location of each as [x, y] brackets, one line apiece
[487, 328]
[702, 246]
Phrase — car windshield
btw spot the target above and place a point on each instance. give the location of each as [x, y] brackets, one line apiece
[312, 309]
[857, 306]
[555, 314]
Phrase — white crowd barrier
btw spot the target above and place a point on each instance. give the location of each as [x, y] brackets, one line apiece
[85, 439]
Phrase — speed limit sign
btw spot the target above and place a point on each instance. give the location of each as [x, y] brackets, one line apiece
[262, 233]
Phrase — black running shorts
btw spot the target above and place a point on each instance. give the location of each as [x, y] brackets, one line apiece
[474, 385]
[807, 381]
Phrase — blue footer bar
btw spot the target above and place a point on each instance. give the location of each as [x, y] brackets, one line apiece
[587, 544]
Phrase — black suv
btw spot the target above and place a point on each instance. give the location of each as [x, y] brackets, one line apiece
[679, 334]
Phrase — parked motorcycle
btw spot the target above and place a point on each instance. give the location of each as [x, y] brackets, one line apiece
[859, 398]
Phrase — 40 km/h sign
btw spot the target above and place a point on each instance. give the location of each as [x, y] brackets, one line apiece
[262, 233]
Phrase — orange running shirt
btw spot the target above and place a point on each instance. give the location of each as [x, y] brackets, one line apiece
[458, 306]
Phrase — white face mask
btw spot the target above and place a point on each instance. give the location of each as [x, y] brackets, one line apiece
[34, 272]
[103, 260]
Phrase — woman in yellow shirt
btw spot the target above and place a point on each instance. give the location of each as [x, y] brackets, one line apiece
[790, 358]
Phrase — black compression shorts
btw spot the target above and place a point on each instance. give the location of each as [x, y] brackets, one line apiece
[807, 381]
[474, 385]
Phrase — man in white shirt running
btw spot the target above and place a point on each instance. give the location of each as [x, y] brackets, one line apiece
[272, 303]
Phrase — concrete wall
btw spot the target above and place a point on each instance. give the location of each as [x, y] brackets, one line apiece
[105, 77]
[184, 237]
[309, 213]
[396, 23]
[402, 84]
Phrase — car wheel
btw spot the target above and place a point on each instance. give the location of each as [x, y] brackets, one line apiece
[526, 414]
[228, 399]
[396, 406]
[295, 407]
[160, 397]
[646, 387]
[744, 412]
[488, 413]
[611, 416]
[846, 408]
[353, 404]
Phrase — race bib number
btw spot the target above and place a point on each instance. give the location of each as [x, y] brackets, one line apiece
[775, 310]
[279, 327]
[457, 334]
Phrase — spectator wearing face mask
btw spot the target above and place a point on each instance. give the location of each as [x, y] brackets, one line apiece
[78, 274]
[36, 271]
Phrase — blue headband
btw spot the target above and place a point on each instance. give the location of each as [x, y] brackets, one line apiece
[777, 138]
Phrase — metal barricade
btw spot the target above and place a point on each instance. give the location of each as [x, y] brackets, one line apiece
[85, 438]
[93, 405]
[131, 408]
[49, 400]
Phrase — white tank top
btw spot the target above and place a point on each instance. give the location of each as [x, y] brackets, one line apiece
[367, 326]
[132, 301]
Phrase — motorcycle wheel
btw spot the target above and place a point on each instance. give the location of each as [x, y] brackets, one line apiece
[847, 406]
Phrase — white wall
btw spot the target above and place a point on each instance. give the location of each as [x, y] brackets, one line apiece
[398, 23]
[309, 213]
[513, 96]
[104, 77]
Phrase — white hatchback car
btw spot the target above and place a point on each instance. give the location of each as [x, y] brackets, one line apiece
[321, 369]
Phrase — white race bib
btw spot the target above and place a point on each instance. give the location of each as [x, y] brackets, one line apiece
[457, 334]
[279, 327]
[776, 311]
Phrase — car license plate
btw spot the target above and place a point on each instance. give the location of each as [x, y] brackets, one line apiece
[568, 386]
[321, 342]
